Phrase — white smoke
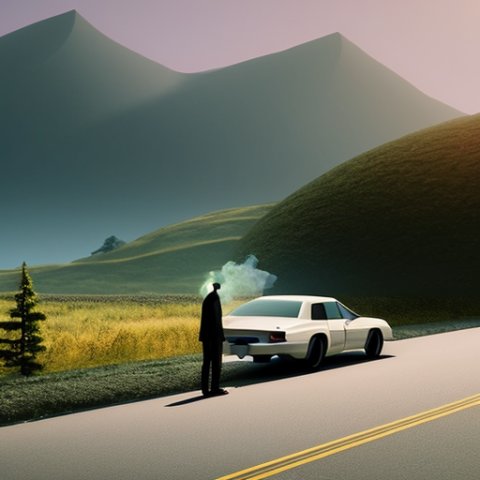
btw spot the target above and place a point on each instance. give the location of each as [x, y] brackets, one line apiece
[239, 280]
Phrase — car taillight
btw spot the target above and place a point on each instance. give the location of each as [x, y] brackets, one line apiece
[275, 337]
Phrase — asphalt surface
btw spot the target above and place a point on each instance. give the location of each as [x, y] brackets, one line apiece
[183, 437]
[444, 449]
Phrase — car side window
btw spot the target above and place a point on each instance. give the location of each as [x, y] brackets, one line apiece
[346, 313]
[318, 312]
[333, 313]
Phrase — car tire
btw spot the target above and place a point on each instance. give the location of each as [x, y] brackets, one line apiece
[316, 352]
[374, 344]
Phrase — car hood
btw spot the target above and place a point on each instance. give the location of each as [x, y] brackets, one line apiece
[259, 323]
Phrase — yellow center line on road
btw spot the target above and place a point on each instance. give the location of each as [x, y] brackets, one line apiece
[288, 462]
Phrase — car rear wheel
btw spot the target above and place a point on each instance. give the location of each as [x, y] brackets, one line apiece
[374, 344]
[316, 352]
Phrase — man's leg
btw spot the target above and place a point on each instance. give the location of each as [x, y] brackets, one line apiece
[217, 351]
[207, 360]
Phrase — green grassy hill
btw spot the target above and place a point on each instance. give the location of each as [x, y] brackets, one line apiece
[400, 220]
[173, 259]
[113, 142]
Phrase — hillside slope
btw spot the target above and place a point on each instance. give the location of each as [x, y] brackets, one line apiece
[173, 259]
[103, 140]
[401, 219]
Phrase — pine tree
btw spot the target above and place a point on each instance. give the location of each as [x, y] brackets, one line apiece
[23, 341]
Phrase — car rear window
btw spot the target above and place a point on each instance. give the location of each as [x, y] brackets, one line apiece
[268, 308]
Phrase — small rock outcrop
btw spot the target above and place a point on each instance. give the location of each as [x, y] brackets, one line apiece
[111, 243]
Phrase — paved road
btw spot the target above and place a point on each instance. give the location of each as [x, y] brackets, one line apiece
[444, 449]
[256, 423]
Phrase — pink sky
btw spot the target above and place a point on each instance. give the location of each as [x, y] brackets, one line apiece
[434, 44]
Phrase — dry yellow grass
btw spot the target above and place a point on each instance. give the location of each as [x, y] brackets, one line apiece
[81, 334]
[85, 335]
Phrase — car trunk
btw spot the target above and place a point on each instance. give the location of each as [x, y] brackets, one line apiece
[242, 330]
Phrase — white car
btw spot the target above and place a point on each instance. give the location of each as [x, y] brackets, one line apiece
[302, 327]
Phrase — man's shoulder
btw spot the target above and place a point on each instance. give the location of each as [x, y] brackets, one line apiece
[208, 298]
[212, 296]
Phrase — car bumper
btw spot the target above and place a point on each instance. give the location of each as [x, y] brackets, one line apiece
[295, 350]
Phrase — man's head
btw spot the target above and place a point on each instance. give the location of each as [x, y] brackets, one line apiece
[216, 286]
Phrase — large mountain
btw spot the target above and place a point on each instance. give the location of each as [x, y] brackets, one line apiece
[401, 219]
[98, 140]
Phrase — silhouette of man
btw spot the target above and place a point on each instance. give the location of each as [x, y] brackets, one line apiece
[212, 338]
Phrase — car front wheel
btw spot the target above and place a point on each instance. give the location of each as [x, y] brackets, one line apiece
[316, 352]
[374, 344]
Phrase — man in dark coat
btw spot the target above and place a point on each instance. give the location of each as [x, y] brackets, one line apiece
[212, 338]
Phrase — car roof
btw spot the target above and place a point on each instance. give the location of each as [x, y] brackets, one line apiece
[298, 298]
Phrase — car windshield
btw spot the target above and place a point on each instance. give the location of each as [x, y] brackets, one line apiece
[268, 308]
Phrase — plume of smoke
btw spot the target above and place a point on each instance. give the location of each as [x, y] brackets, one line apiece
[239, 280]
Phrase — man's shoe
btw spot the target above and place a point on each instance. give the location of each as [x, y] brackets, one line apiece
[218, 392]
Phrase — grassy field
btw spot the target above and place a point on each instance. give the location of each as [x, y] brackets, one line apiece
[85, 332]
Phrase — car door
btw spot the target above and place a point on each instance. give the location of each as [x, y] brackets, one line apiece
[355, 332]
[336, 325]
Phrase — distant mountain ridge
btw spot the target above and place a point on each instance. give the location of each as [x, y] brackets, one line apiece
[100, 139]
